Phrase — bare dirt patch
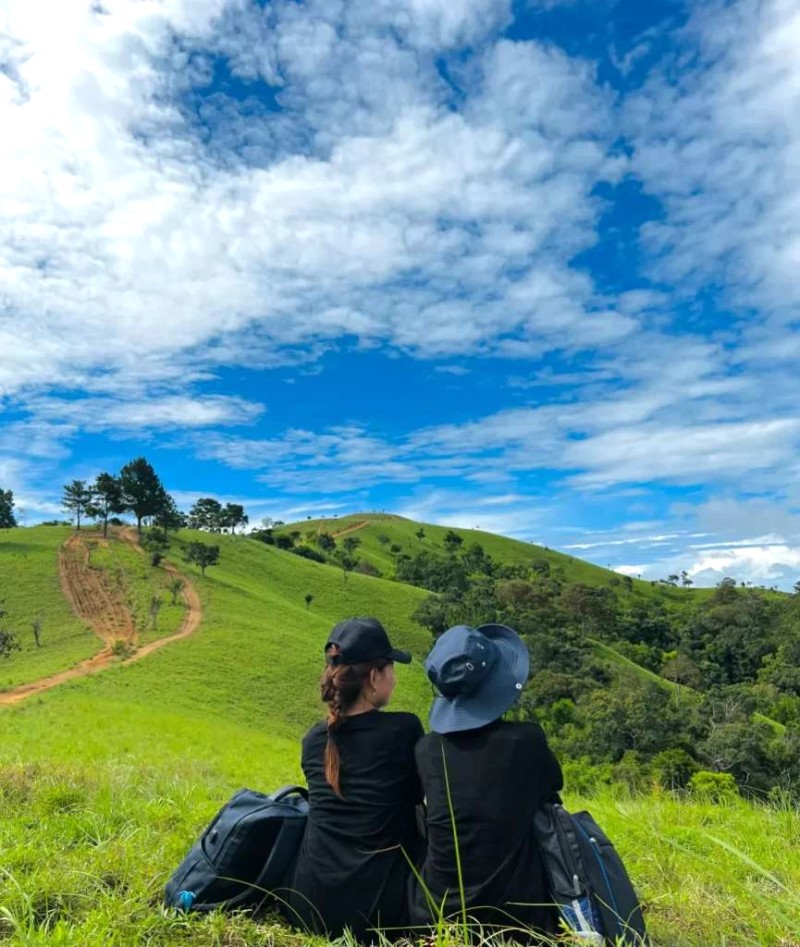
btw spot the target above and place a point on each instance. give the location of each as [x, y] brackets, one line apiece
[93, 597]
[97, 603]
[351, 529]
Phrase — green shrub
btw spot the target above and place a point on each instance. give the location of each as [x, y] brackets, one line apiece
[715, 787]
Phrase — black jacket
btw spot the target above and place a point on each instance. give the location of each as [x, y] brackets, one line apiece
[498, 777]
[353, 866]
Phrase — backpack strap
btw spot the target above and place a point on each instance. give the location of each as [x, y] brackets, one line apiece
[283, 853]
[286, 846]
[290, 790]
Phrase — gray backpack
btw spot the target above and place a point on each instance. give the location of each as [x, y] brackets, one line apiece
[587, 880]
[246, 853]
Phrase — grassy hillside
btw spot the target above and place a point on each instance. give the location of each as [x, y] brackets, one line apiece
[29, 586]
[370, 528]
[106, 780]
[90, 830]
[259, 650]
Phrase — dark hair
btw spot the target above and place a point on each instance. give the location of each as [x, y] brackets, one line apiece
[340, 688]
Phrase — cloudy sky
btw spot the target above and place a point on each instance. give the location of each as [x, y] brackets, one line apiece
[530, 266]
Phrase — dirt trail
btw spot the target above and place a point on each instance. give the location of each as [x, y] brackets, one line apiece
[94, 601]
[350, 529]
[129, 535]
[92, 595]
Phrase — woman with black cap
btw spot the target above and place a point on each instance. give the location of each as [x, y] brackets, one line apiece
[353, 866]
[489, 777]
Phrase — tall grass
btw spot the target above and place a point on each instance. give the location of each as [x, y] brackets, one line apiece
[85, 851]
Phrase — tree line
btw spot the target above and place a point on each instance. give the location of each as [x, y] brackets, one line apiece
[137, 490]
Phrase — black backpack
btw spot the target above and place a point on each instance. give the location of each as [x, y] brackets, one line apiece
[587, 879]
[247, 851]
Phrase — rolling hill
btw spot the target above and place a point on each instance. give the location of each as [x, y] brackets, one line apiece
[106, 779]
[379, 531]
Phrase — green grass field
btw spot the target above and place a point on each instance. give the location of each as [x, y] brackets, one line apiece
[91, 827]
[105, 781]
[29, 586]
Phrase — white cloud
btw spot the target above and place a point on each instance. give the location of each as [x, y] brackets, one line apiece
[684, 424]
[158, 412]
[656, 539]
[762, 565]
[131, 242]
[632, 570]
[683, 454]
[717, 138]
[751, 540]
[516, 516]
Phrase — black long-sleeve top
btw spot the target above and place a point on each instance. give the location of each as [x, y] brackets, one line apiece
[353, 866]
[498, 777]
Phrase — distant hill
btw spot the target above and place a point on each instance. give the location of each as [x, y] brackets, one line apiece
[370, 527]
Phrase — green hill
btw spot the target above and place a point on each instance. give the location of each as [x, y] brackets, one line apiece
[379, 531]
[256, 631]
[383, 537]
[105, 780]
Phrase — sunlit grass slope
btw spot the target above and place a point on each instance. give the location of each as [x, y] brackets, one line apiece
[30, 586]
[369, 527]
[258, 652]
[256, 628]
[90, 830]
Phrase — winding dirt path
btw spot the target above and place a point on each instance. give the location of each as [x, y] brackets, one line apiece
[189, 625]
[100, 606]
[92, 595]
[350, 529]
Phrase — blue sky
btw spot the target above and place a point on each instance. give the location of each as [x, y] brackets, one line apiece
[528, 266]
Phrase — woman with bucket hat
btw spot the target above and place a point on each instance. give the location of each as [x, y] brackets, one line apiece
[489, 777]
[354, 863]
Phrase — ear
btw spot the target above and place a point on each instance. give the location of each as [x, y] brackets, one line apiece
[375, 676]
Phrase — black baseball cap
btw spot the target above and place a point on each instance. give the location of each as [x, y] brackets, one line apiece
[363, 639]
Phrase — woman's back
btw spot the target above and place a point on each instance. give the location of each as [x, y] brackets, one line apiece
[353, 866]
[379, 785]
[497, 777]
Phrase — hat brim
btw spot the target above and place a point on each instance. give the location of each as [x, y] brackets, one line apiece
[499, 690]
[400, 657]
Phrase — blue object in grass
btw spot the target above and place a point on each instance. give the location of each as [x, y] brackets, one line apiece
[185, 901]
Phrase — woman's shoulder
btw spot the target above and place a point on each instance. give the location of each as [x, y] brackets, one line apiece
[319, 729]
[522, 731]
[401, 720]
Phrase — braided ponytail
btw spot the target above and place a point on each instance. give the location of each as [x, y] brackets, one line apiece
[340, 687]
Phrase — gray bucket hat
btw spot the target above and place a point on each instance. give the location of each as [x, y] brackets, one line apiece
[478, 672]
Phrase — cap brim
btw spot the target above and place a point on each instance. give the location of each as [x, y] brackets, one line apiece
[401, 657]
[499, 691]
